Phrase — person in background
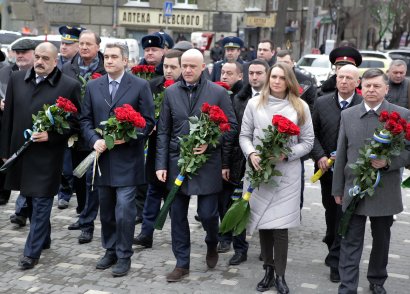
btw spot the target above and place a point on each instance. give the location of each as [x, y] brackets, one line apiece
[232, 46]
[399, 86]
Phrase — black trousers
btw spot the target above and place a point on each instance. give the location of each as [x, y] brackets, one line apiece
[274, 243]
[351, 251]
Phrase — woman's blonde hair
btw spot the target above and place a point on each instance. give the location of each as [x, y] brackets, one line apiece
[292, 91]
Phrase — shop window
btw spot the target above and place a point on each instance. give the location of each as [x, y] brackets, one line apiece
[140, 3]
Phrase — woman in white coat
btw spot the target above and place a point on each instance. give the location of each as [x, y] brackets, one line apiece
[276, 209]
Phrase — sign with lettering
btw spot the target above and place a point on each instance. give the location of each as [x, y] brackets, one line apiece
[153, 17]
[263, 22]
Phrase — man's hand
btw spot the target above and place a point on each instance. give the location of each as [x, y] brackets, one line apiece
[225, 174]
[201, 149]
[162, 175]
[338, 200]
[119, 142]
[39, 137]
[255, 159]
[2, 104]
[378, 163]
[322, 163]
[100, 146]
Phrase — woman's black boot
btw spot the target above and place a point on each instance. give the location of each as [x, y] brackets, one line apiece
[268, 280]
[281, 285]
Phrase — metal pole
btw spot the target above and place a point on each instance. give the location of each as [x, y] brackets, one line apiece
[309, 27]
[114, 16]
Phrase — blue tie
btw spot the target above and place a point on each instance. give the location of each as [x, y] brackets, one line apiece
[344, 104]
[114, 87]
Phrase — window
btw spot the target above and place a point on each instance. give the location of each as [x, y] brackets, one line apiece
[254, 5]
[140, 3]
[187, 4]
[64, 1]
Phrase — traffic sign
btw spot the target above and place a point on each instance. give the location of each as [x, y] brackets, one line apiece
[168, 8]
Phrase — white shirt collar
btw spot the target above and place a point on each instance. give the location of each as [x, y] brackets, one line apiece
[369, 108]
[118, 80]
[349, 100]
[254, 92]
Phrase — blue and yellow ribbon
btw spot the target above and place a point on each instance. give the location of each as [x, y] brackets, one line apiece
[178, 181]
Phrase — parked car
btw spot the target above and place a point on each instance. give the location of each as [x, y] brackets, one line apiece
[317, 65]
[376, 54]
[373, 62]
[55, 39]
[401, 54]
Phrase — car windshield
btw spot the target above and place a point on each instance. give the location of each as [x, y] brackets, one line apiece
[314, 62]
[371, 64]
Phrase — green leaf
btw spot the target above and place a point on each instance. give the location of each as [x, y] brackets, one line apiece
[109, 141]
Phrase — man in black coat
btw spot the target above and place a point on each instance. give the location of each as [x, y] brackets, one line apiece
[326, 121]
[153, 46]
[183, 100]
[232, 46]
[37, 173]
[122, 168]
[88, 61]
[157, 190]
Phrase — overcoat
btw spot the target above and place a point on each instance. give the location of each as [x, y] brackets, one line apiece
[173, 123]
[38, 172]
[357, 125]
[124, 164]
[276, 207]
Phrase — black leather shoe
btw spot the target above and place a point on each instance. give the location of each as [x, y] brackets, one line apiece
[268, 280]
[47, 245]
[18, 219]
[26, 262]
[107, 260]
[377, 289]
[260, 257]
[281, 285]
[138, 220]
[224, 247]
[74, 226]
[143, 240]
[238, 258]
[85, 237]
[122, 267]
[334, 275]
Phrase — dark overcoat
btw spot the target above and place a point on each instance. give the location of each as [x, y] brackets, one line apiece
[173, 123]
[38, 172]
[123, 165]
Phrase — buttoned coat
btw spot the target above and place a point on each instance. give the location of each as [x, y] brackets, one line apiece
[124, 164]
[38, 172]
[173, 123]
[356, 126]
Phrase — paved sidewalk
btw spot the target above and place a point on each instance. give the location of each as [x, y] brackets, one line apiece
[69, 267]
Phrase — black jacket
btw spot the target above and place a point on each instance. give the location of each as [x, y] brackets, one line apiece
[326, 122]
[38, 172]
[174, 123]
[5, 73]
[309, 96]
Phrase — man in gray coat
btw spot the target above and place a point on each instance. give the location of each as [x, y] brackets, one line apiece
[357, 124]
[183, 100]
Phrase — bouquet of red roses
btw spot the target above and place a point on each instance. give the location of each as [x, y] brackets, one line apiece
[84, 80]
[273, 146]
[158, 98]
[387, 141]
[122, 125]
[53, 118]
[206, 129]
[225, 86]
[145, 72]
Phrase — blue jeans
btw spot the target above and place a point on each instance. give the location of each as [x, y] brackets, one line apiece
[117, 214]
[152, 207]
[21, 206]
[40, 227]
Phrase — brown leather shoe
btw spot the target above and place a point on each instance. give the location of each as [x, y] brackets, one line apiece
[212, 257]
[177, 274]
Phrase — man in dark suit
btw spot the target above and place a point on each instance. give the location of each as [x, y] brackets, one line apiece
[326, 120]
[37, 173]
[183, 100]
[357, 124]
[122, 168]
[88, 61]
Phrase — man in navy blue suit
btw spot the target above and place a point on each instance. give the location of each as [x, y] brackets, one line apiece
[122, 168]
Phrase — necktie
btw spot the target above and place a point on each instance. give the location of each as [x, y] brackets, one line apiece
[114, 87]
[344, 104]
[256, 94]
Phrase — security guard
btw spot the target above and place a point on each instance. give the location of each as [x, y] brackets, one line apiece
[69, 43]
[232, 47]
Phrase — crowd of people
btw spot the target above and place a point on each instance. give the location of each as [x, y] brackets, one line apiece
[136, 175]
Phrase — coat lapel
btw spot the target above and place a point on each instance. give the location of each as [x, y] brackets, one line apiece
[124, 86]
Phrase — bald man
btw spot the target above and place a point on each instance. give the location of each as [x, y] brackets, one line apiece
[37, 173]
[326, 120]
[183, 100]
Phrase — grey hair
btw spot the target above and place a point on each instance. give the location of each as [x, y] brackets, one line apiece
[123, 48]
[96, 36]
[398, 62]
[374, 73]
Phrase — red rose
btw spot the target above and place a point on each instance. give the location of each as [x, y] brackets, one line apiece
[398, 129]
[66, 105]
[276, 119]
[224, 127]
[283, 126]
[403, 122]
[407, 136]
[168, 83]
[217, 115]
[294, 130]
[150, 69]
[224, 85]
[300, 90]
[96, 75]
[384, 116]
[394, 116]
[136, 69]
[205, 107]
[390, 125]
